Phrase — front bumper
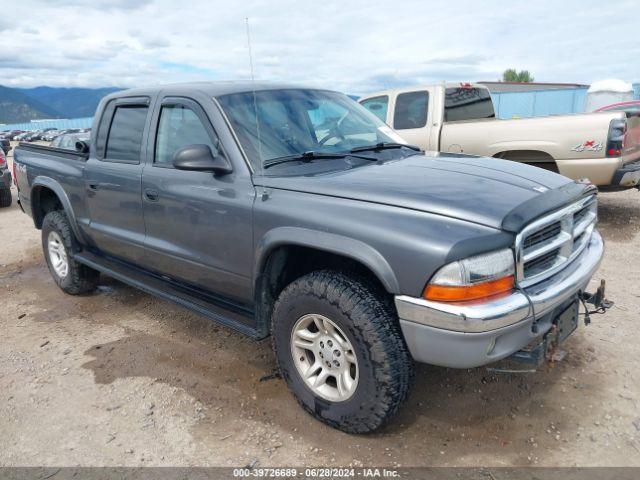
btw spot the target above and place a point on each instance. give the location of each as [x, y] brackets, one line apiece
[476, 333]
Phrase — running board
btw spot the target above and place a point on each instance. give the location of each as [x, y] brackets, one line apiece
[236, 318]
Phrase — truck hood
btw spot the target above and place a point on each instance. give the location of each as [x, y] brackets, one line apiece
[496, 193]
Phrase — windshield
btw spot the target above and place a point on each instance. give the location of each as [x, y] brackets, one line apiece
[296, 121]
[465, 103]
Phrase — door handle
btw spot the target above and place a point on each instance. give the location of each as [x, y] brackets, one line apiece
[151, 195]
[92, 188]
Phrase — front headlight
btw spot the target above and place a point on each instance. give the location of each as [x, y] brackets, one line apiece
[475, 277]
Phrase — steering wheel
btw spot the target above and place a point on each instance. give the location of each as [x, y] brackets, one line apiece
[333, 133]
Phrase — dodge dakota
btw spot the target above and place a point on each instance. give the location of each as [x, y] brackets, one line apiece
[459, 118]
[295, 213]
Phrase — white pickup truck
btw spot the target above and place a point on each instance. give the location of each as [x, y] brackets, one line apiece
[460, 118]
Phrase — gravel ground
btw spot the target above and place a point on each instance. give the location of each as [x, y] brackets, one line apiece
[121, 378]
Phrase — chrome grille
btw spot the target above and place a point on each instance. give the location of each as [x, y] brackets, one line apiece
[550, 231]
[550, 243]
[541, 263]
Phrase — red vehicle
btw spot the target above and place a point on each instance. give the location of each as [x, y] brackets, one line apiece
[631, 107]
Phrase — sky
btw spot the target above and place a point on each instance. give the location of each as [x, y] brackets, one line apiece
[352, 46]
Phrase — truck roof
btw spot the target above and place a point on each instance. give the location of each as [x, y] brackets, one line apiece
[214, 89]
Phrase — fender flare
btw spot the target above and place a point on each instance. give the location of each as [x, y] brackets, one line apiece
[328, 242]
[53, 185]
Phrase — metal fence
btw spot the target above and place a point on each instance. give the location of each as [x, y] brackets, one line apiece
[539, 103]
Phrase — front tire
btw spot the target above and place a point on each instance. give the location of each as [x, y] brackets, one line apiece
[340, 349]
[58, 245]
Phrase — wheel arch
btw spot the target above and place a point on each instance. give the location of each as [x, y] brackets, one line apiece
[48, 195]
[287, 253]
[534, 157]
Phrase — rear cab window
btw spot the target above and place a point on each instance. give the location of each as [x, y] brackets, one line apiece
[411, 110]
[125, 135]
[464, 103]
[121, 130]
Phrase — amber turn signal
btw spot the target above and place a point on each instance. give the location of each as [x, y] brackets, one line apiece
[451, 293]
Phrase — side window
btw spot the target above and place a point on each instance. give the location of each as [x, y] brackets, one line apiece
[411, 110]
[179, 126]
[125, 135]
[378, 106]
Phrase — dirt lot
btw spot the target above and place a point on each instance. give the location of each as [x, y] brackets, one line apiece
[121, 378]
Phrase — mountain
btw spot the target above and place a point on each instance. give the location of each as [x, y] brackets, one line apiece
[69, 102]
[16, 106]
[25, 104]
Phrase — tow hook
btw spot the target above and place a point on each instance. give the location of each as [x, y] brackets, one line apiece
[598, 300]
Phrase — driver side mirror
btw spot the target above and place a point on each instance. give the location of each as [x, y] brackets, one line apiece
[199, 158]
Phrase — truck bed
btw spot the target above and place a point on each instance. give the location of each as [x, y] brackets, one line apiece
[47, 150]
[44, 165]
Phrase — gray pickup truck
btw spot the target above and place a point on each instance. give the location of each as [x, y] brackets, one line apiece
[296, 213]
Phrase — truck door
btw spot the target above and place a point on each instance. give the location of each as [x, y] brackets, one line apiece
[198, 224]
[113, 177]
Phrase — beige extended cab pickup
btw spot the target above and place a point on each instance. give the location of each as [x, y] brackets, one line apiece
[460, 118]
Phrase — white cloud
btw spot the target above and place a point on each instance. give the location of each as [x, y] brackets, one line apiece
[355, 46]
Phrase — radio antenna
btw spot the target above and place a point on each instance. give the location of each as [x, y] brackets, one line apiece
[255, 102]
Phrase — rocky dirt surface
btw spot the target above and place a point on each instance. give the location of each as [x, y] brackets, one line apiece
[118, 377]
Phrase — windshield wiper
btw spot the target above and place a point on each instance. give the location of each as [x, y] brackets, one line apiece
[310, 155]
[384, 146]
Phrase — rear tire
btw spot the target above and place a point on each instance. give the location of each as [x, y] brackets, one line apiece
[58, 244]
[5, 197]
[365, 326]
